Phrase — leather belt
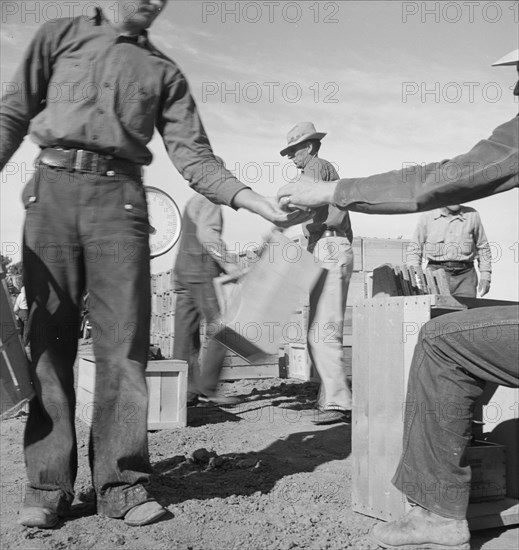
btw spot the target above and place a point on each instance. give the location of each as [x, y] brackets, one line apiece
[451, 264]
[333, 233]
[80, 160]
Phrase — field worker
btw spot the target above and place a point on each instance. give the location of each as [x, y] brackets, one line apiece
[453, 359]
[87, 226]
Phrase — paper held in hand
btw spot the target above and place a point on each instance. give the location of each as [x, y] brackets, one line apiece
[258, 311]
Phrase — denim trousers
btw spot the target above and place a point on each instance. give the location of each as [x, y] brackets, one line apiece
[195, 302]
[326, 321]
[87, 231]
[456, 355]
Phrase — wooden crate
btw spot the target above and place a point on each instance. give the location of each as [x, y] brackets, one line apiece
[167, 393]
[15, 382]
[488, 465]
[376, 252]
[298, 363]
[385, 332]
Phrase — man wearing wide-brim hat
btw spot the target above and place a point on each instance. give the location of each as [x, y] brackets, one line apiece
[329, 238]
[454, 358]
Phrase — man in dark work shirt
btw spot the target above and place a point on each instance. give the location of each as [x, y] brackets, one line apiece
[87, 227]
[329, 238]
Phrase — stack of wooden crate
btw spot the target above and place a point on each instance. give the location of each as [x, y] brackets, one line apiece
[368, 254]
[162, 326]
[162, 329]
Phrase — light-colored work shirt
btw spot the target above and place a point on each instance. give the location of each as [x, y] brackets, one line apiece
[445, 236]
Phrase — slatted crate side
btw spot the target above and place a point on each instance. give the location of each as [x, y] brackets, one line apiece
[386, 394]
[153, 283]
[357, 254]
[167, 390]
[361, 361]
[376, 252]
[298, 365]
[497, 408]
[167, 393]
[356, 289]
[168, 280]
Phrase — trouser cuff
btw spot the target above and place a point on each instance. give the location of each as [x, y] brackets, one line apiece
[57, 500]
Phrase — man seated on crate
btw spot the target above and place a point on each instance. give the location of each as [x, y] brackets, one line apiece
[454, 358]
[452, 238]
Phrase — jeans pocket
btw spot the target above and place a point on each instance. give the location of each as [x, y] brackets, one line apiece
[30, 191]
[135, 201]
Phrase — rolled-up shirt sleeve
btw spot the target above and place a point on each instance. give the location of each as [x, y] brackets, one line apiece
[188, 145]
[24, 95]
[490, 167]
[484, 253]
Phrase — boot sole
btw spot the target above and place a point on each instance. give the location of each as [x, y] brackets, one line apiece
[423, 546]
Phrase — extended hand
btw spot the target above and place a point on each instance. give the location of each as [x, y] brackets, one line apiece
[285, 217]
[306, 192]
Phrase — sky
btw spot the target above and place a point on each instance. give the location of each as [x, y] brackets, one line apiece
[390, 83]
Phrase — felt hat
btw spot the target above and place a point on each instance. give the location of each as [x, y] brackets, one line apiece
[299, 133]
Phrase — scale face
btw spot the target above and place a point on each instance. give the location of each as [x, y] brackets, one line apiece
[165, 220]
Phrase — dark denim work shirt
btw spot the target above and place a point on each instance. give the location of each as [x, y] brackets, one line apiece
[84, 86]
[326, 217]
[490, 167]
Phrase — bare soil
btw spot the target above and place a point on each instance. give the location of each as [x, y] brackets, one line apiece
[259, 476]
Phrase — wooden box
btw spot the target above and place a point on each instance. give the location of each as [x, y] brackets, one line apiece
[15, 381]
[488, 465]
[376, 252]
[385, 332]
[167, 393]
[298, 363]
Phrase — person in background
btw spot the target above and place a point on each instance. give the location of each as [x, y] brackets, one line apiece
[452, 238]
[87, 226]
[329, 238]
[454, 357]
[202, 257]
[22, 313]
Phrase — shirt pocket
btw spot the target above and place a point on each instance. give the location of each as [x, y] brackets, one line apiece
[137, 103]
[72, 81]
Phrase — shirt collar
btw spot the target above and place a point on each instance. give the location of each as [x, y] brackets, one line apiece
[99, 18]
[445, 213]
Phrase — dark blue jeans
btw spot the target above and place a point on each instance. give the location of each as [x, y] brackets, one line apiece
[197, 301]
[87, 231]
[456, 355]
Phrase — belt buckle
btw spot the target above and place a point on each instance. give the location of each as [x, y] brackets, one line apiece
[86, 161]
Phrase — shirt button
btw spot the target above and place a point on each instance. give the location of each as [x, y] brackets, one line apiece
[107, 84]
[100, 111]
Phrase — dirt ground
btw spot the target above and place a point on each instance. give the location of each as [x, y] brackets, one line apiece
[260, 476]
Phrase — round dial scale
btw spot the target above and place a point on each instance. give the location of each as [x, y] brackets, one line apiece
[165, 221]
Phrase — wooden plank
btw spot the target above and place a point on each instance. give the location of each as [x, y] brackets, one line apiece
[361, 407]
[386, 394]
[376, 252]
[249, 372]
[166, 405]
[154, 381]
[169, 396]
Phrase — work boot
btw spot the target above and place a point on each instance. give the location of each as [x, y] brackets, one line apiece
[36, 516]
[423, 530]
